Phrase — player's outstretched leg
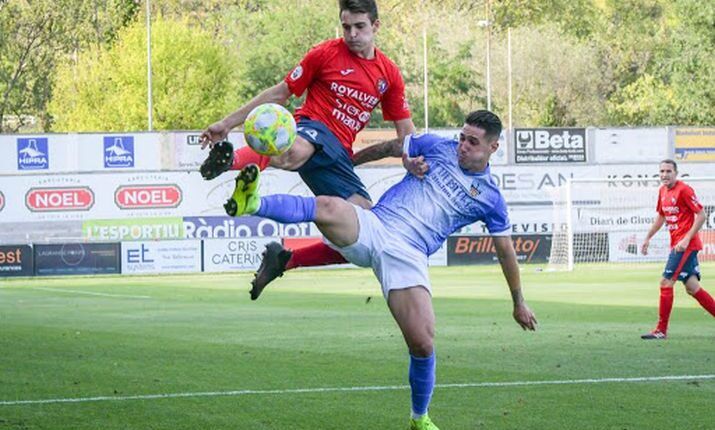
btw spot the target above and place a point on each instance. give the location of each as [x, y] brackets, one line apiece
[273, 265]
[245, 198]
[277, 260]
[219, 160]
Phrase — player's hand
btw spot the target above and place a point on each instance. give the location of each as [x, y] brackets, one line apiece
[214, 133]
[525, 317]
[417, 165]
[682, 245]
[644, 247]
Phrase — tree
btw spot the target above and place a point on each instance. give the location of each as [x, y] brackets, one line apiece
[106, 89]
[34, 35]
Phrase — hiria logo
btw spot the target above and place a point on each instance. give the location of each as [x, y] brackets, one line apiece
[147, 196]
[59, 199]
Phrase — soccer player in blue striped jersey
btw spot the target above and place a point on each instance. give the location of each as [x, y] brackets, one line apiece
[410, 222]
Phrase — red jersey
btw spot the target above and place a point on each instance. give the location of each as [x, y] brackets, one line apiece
[679, 205]
[343, 89]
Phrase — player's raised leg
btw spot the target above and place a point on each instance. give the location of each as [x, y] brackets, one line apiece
[222, 158]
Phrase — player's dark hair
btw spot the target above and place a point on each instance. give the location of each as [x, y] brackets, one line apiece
[671, 162]
[360, 6]
[487, 121]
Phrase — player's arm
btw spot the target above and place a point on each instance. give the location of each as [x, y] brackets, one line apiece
[395, 148]
[657, 224]
[510, 267]
[378, 151]
[389, 148]
[697, 225]
[217, 131]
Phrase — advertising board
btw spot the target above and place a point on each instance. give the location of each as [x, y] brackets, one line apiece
[167, 256]
[77, 259]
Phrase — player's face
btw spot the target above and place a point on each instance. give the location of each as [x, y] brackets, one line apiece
[474, 148]
[668, 175]
[359, 32]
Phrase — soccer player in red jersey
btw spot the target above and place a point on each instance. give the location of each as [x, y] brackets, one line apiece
[680, 210]
[345, 80]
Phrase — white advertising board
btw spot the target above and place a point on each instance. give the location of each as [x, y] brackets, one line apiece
[626, 247]
[168, 256]
[623, 145]
[59, 153]
[225, 255]
[182, 150]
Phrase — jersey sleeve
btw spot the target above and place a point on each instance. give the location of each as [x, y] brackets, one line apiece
[691, 200]
[421, 144]
[300, 78]
[658, 206]
[394, 103]
[497, 221]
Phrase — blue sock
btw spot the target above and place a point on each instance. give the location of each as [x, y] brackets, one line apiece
[286, 208]
[422, 377]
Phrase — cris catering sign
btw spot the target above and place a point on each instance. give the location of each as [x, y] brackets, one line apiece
[550, 145]
[148, 196]
[59, 199]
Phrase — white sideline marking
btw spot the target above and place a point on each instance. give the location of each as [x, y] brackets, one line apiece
[89, 293]
[344, 389]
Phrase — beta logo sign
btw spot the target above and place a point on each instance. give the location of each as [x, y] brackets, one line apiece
[60, 199]
[148, 196]
[550, 145]
[118, 151]
[32, 154]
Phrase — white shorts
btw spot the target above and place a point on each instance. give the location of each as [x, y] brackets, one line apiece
[396, 264]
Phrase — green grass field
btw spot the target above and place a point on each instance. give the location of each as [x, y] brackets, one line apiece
[98, 353]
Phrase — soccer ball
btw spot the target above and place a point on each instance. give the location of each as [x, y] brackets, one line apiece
[269, 129]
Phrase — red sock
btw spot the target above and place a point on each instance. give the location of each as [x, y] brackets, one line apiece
[242, 157]
[318, 254]
[705, 300]
[666, 305]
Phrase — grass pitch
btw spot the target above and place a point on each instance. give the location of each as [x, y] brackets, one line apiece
[193, 352]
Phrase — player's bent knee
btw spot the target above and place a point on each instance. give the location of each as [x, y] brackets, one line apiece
[295, 157]
[328, 206]
[422, 347]
[666, 283]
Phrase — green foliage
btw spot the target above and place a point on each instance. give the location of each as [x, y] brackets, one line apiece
[107, 89]
[575, 62]
[35, 36]
[269, 41]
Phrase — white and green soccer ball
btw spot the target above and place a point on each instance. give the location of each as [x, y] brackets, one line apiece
[269, 129]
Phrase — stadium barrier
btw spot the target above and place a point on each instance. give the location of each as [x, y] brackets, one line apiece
[142, 190]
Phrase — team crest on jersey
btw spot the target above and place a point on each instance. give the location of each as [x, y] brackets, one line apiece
[381, 86]
[297, 73]
[474, 190]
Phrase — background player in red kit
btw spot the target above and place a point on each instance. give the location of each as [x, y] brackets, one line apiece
[345, 79]
[680, 210]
